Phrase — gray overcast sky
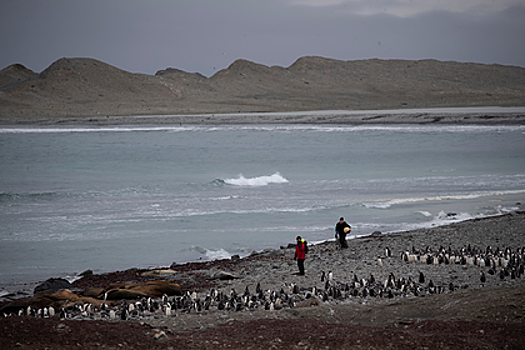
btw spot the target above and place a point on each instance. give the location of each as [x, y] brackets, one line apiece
[208, 35]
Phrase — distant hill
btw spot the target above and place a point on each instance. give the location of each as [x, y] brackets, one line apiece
[83, 87]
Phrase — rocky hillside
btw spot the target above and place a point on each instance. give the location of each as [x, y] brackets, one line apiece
[84, 87]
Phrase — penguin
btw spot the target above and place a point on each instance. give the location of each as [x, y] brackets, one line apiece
[296, 289]
[207, 303]
[429, 260]
[198, 305]
[330, 276]
[421, 277]
[238, 307]
[322, 276]
[482, 277]
[388, 252]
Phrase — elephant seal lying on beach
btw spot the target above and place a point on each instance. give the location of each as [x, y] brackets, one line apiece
[96, 296]
[120, 291]
[154, 289]
[61, 299]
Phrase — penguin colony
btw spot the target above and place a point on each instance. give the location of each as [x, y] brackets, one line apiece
[501, 263]
[505, 263]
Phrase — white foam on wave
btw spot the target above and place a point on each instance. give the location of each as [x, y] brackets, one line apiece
[446, 218]
[65, 130]
[218, 254]
[211, 254]
[385, 204]
[257, 181]
[286, 128]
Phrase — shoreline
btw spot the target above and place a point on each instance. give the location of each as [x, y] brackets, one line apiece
[431, 116]
[212, 263]
[26, 288]
[493, 311]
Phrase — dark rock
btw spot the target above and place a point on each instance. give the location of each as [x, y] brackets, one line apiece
[52, 285]
[86, 273]
[225, 276]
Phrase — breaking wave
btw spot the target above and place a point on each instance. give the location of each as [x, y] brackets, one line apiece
[256, 181]
[386, 204]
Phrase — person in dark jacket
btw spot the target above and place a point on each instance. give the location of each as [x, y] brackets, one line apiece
[300, 254]
[341, 229]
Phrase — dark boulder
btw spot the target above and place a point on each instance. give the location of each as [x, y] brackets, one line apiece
[52, 285]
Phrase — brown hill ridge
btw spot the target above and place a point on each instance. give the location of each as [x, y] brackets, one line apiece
[82, 87]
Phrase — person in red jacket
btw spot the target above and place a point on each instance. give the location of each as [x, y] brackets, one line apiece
[300, 254]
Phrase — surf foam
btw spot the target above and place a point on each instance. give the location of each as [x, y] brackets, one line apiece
[257, 181]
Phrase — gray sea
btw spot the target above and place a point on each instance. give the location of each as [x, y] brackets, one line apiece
[113, 198]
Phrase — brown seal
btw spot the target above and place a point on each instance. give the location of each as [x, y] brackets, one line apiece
[154, 289]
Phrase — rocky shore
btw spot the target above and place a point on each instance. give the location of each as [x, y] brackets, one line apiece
[384, 291]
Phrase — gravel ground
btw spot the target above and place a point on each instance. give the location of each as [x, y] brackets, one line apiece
[460, 312]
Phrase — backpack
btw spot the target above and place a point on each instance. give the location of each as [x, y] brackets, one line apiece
[305, 247]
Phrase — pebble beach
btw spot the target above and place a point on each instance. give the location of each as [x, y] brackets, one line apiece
[459, 294]
[380, 256]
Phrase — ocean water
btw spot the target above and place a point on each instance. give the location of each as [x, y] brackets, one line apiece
[113, 198]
